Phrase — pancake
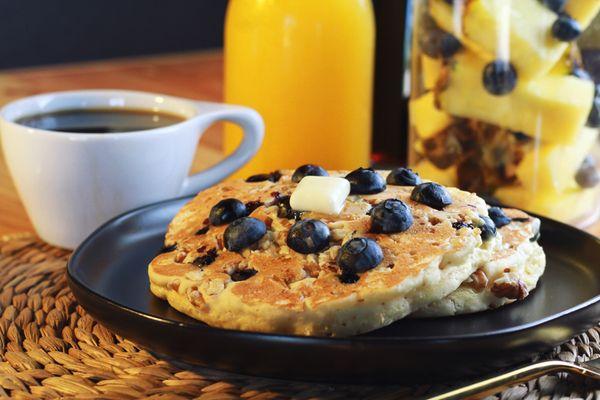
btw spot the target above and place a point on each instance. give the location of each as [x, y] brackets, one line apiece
[272, 288]
[511, 273]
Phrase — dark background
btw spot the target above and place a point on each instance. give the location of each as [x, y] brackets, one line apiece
[35, 32]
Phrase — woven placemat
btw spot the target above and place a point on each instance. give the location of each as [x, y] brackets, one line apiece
[51, 348]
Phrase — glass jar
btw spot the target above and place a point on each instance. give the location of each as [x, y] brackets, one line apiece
[307, 67]
[502, 104]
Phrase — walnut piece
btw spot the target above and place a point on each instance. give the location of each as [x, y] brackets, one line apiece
[180, 256]
[478, 280]
[513, 289]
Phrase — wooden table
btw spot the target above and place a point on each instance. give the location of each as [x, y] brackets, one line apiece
[193, 75]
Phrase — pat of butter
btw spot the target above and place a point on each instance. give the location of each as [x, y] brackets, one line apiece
[324, 194]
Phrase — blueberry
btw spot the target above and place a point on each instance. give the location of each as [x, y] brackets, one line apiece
[521, 137]
[227, 211]
[391, 216]
[359, 255]
[593, 120]
[308, 236]
[566, 29]
[168, 249]
[242, 274]
[272, 176]
[202, 231]
[587, 175]
[555, 5]
[497, 215]
[365, 181]
[437, 43]
[403, 177]
[207, 259]
[431, 194]
[244, 232]
[258, 178]
[308, 170]
[488, 229]
[349, 277]
[253, 205]
[499, 77]
[462, 224]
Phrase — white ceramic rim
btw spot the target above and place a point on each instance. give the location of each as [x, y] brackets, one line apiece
[99, 98]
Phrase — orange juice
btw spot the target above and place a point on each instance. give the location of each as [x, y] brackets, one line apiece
[306, 66]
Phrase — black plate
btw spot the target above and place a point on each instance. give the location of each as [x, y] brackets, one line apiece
[107, 274]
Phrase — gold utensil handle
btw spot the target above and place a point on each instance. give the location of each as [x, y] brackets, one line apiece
[500, 382]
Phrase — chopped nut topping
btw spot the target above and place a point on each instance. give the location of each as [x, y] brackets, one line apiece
[174, 285]
[510, 289]
[312, 270]
[268, 222]
[478, 280]
[179, 257]
[197, 299]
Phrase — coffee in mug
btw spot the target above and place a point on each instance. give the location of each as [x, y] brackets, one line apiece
[80, 158]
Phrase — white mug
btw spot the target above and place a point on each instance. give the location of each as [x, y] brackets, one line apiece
[71, 183]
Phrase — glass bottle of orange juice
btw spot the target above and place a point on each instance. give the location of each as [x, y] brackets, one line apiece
[306, 66]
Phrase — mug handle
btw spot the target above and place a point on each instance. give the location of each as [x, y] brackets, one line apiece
[253, 128]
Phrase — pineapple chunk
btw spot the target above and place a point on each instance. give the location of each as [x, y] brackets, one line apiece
[561, 68]
[525, 37]
[450, 20]
[426, 118]
[431, 68]
[553, 167]
[527, 33]
[564, 65]
[552, 107]
[429, 172]
[444, 15]
[583, 11]
[418, 146]
[568, 206]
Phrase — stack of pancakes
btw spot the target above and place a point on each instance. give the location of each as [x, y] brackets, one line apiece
[440, 266]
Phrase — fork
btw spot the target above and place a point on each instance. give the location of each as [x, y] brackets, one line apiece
[495, 384]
